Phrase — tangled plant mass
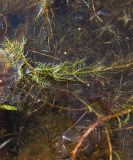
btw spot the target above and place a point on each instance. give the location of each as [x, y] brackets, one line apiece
[71, 59]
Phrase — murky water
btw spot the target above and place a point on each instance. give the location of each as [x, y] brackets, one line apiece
[44, 127]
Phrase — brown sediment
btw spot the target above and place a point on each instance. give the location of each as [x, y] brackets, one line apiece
[4, 68]
[4, 62]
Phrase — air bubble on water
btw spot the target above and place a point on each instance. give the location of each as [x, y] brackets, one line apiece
[65, 53]
[66, 138]
[79, 29]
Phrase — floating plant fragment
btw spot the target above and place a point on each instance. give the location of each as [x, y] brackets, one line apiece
[8, 107]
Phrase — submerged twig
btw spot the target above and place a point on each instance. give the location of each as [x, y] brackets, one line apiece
[92, 127]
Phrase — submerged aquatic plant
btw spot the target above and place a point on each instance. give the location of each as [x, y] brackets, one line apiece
[42, 74]
[111, 110]
[65, 71]
[126, 18]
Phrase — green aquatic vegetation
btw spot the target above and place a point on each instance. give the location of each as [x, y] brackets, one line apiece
[108, 33]
[8, 107]
[98, 85]
[14, 50]
[126, 18]
[66, 71]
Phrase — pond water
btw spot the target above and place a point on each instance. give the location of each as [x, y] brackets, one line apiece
[51, 120]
